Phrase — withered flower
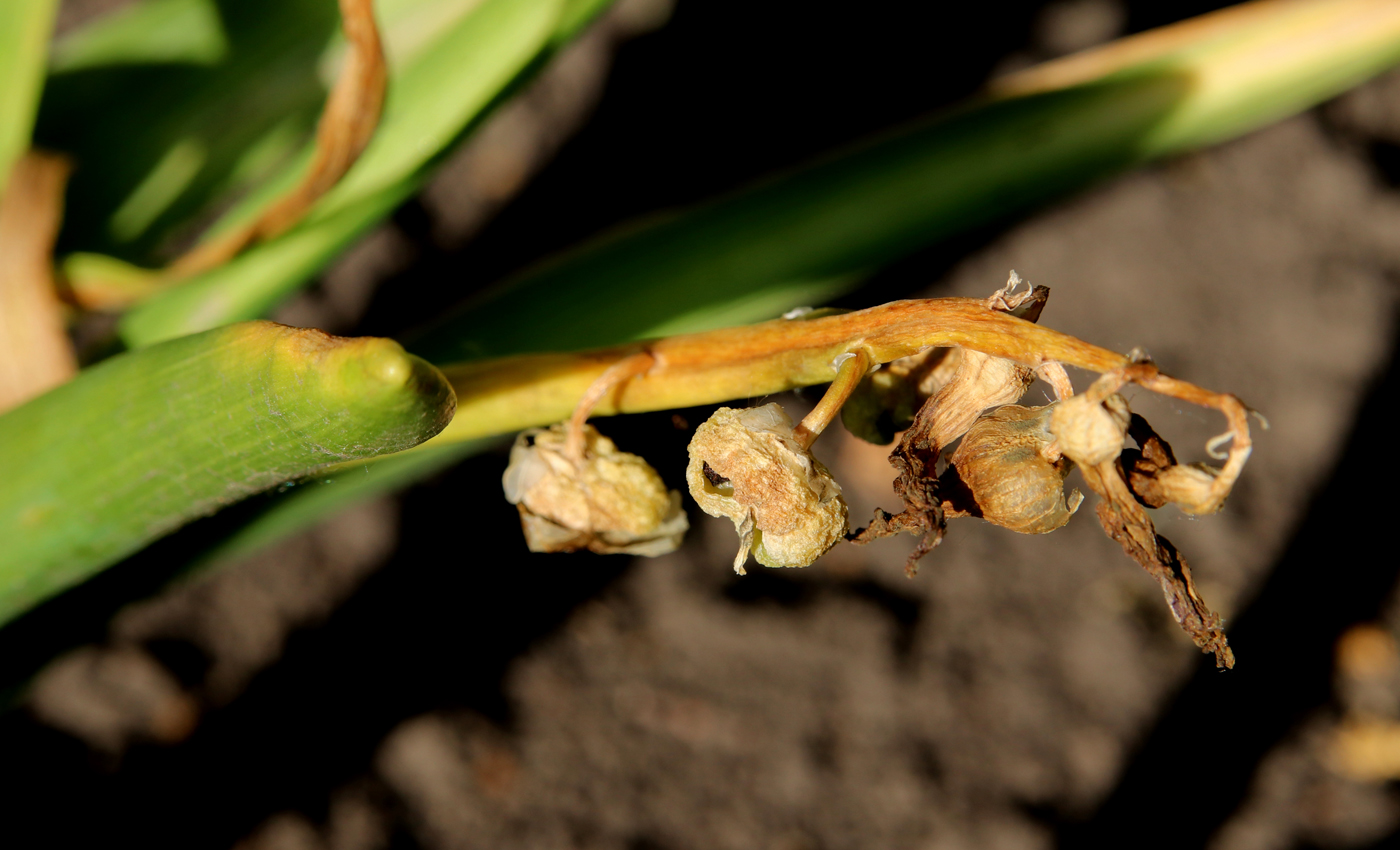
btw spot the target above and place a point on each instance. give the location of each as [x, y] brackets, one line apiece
[609, 501]
[1089, 428]
[749, 466]
[1006, 472]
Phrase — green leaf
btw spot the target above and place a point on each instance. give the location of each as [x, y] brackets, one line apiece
[807, 235]
[161, 143]
[430, 104]
[24, 42]
[803, 237]
[156, 32]
[148, 440]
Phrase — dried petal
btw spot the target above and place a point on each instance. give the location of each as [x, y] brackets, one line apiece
[982, 381]
[1002, 472]
[747, 465]
[1156, 479]
[611, 502]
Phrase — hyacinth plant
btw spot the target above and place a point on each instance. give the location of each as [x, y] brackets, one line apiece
[191, 403]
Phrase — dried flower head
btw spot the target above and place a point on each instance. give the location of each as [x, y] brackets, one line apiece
[748, 465]
[1006, 472]
[610, 501]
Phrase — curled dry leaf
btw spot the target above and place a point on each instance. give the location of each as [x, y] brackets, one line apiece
[1125, 520]
[1157, 479]
[610, 501]
[749, 466]
[1091, 432]
[1007, 472]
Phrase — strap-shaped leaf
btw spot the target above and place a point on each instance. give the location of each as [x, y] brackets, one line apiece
[24, 42]
[807, 235]
[430, 103]
[148, 440]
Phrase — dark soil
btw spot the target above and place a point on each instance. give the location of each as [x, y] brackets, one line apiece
[406, 675]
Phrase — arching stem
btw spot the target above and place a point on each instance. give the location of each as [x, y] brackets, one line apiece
[853, 367]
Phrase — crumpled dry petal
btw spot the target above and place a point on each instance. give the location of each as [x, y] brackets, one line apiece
[748, 466]
[981, 382]
[612, 502]
[1003, 473]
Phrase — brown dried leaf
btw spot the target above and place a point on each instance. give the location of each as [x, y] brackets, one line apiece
[35, 354]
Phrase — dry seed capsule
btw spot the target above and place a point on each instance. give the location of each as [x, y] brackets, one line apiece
[1088, 431]
[748, 466]
[1001, 473]
[610, 502]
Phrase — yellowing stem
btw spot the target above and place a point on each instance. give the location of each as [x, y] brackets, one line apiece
[852, 369]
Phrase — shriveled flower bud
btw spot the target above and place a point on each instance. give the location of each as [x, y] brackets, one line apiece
[610, 502]
[1089, 431]
[1002, 472]
[1189, 486]
[748, 466]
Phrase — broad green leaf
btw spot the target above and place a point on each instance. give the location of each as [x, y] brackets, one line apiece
[802, 237]
[157, 142]
[430, 104]
[1036, 136]
[156, 32]
[24, 41]
[148, 440]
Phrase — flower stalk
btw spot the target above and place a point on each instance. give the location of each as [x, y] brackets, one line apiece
[509, 394]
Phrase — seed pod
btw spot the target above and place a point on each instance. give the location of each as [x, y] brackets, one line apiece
[1090, 431]
[1001, 472]
[748, 466]
[610, 502]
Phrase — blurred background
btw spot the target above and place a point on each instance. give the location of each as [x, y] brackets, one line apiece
[407, 675]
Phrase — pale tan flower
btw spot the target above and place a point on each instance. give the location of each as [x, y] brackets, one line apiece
[747, 465]
[610, 502]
